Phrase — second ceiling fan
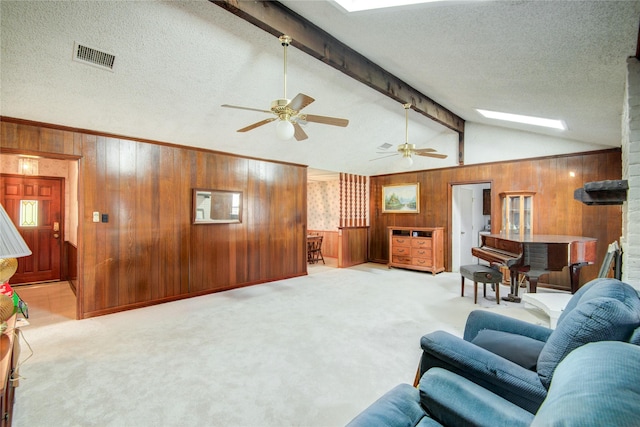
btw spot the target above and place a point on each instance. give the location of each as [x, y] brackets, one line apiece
[406, 150]
[287, 111]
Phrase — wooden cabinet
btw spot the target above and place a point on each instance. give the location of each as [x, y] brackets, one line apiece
[517, 212]
[417, 248]
[9, 351]
[486, 201]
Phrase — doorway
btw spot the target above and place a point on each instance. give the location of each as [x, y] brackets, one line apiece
[470, 218]
[36, 205]
[65, 170]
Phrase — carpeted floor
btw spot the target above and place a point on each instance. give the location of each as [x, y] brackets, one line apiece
[308, 351]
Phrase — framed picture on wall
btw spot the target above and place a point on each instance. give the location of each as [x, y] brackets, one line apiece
[402, 198]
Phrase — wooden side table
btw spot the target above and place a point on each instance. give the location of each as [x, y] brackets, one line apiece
[9, 354]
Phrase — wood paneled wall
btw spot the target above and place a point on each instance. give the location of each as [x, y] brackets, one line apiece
[348, 245]
[70, 265]
[352, 246]
[149, 251]
[555, 210]
[329, 242]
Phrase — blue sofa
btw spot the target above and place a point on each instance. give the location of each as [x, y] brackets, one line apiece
[516, 360]
[597, 384]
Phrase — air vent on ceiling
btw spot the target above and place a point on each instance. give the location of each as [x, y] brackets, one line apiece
[93, 57]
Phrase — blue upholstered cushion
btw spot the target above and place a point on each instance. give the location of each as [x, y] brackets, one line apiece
[517, 348]
[597, 288]
[456, 401]
[398, 407]
[596, 319]
[596, 385]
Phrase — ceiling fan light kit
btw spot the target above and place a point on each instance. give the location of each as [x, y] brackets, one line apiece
[407, 161]
[288, 111]
[284, 129]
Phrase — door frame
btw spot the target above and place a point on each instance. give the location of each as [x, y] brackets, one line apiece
[78, 285]
[462, 195]
[60, 267]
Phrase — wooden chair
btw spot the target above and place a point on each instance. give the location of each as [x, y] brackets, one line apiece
[310, 246]
[314, 250]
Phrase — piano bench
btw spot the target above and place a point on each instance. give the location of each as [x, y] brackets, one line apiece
[483, 274]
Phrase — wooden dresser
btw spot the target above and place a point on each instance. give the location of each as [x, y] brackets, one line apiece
[417, 248]
[9, 353]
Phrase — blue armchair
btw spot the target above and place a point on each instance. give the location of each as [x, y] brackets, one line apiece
[598, 384]
[516, 360]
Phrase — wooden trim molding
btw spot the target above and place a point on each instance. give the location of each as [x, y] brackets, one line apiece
[112, 135]
[507, 162]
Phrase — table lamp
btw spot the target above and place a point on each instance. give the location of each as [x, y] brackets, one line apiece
[12, 246]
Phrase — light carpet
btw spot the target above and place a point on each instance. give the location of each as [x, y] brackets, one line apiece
[308, 351]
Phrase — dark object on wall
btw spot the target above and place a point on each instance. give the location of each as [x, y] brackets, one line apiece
[486, 201]
[609, 192]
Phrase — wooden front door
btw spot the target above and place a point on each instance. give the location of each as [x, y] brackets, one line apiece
[35, 207]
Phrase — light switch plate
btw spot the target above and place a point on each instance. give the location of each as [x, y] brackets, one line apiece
[96, 217]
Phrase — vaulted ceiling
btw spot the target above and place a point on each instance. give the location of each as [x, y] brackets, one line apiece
[176, 63]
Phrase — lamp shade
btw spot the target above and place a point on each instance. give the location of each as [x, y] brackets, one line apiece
[12, 245]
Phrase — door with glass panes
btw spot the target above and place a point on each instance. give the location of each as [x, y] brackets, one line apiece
[34, 204]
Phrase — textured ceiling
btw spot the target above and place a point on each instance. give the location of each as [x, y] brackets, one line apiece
[177, 62]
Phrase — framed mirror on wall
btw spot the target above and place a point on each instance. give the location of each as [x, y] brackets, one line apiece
[217, 206]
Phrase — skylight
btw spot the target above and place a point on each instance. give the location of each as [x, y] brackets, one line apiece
[529, 120]
[360, 5]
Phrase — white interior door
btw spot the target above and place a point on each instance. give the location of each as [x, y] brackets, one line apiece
[462, 227]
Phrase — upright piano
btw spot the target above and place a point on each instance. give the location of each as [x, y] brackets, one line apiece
[535, 255]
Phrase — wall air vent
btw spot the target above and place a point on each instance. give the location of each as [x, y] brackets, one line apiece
[93, 57]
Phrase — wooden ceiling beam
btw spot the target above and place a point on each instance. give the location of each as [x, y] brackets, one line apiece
[274, 18]
[638, 43]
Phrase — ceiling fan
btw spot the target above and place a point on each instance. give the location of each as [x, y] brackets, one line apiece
[288, 111]
[406, 149]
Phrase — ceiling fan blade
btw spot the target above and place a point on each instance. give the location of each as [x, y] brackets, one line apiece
[424, 150]
[255, 125]
[300, 101]
[383, 157]
[436, 155]
[246, 108]
[334, 121]
[298, 132]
